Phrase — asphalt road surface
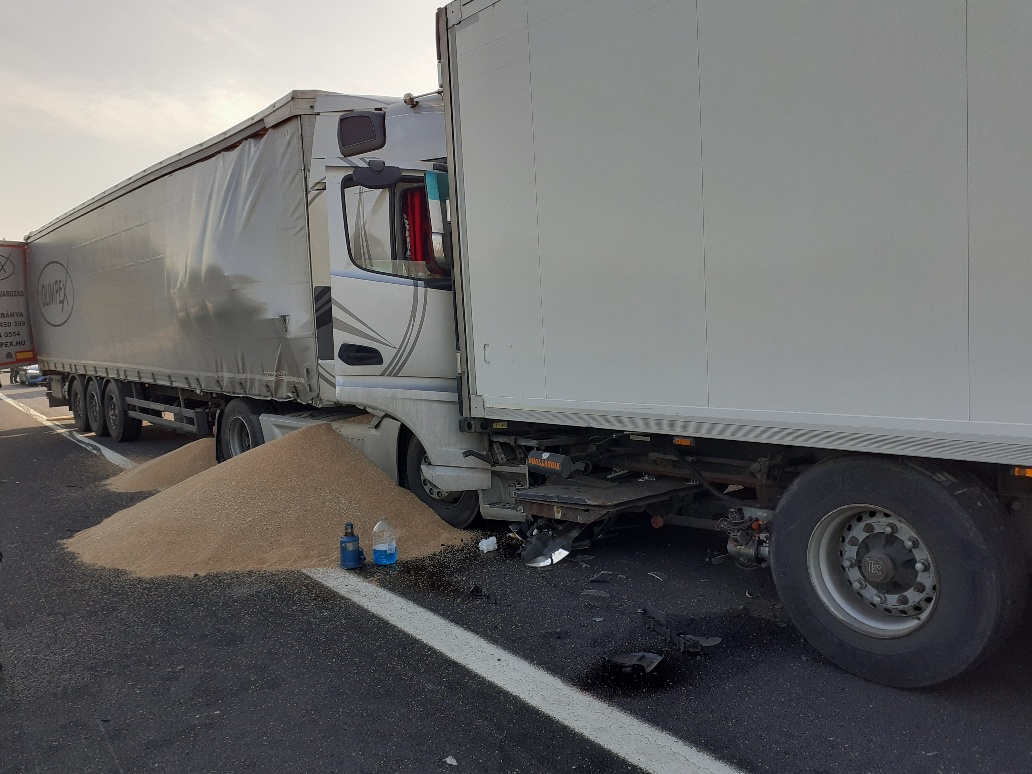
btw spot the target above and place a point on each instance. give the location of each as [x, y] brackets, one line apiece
[271, 672]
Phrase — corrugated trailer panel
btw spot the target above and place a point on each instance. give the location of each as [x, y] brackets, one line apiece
[198, 279]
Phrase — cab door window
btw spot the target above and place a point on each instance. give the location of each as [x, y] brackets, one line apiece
[388, 229]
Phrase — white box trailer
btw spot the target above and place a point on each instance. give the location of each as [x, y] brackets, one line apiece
[766, 263]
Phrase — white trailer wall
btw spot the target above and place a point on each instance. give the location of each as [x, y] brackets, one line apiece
[199, 279]
[793, 221]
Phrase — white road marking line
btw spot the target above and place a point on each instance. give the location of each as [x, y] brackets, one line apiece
[87, 443]
[639, 743]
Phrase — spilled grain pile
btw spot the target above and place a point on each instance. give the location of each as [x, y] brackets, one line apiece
[166, 470]
[278, 507]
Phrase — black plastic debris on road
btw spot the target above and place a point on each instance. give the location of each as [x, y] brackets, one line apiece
[657, 621]
[636, 663]
[479, 594]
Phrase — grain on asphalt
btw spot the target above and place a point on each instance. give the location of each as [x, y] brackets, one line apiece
[279, 506]
[166, 470]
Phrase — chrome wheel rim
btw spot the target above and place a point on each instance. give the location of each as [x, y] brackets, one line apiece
[239, 436]
[93, 408]
[112, 413]
[873, 571]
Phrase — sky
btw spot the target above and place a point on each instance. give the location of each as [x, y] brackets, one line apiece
[92, 92]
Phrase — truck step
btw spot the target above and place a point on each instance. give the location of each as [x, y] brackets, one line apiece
[585, 500]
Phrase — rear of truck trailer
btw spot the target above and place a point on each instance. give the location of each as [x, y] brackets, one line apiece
[16, 345]
[783, 222]
[759, 266]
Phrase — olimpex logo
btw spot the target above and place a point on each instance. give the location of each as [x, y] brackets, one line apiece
[6, 266]
[56, 297]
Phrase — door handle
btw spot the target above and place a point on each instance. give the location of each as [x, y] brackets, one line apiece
[359, 355]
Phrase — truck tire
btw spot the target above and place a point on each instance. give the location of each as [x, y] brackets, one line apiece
[77, 403]
[897, 572]
[459, 509]
[240, 430]
[122, 427]
[95, 408]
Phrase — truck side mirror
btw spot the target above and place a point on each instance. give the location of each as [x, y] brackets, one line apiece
[377, 175]
[440, 228]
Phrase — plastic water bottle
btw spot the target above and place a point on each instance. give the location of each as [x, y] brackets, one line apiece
[385, 543]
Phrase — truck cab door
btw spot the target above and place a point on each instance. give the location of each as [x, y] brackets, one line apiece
[393, 313]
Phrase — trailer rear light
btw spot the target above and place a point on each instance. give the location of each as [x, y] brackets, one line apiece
[684, 442]
[1022, 472]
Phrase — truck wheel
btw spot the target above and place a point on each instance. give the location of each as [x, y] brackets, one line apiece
[240, 429]
[122, 427]
[456, 508]
[899, 573]
[95, 408]
[77, 403]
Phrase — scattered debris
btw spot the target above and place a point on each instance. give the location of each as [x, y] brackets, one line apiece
[451, 761]
[487, 545]
[595, 593]
[636, 663]
[478, 593]
[657, 576]
[714, 557]
[750, 594]
[598, 620]
[601, 577]
[686, 643]
[545, 546]
[583, 558]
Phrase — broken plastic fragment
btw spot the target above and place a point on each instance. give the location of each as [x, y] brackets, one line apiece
[686, 643]
[488, 544]
[478, 593]
[658, 575]
[601, 577]
[451, 761]
[545, 547]
[636, 663]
